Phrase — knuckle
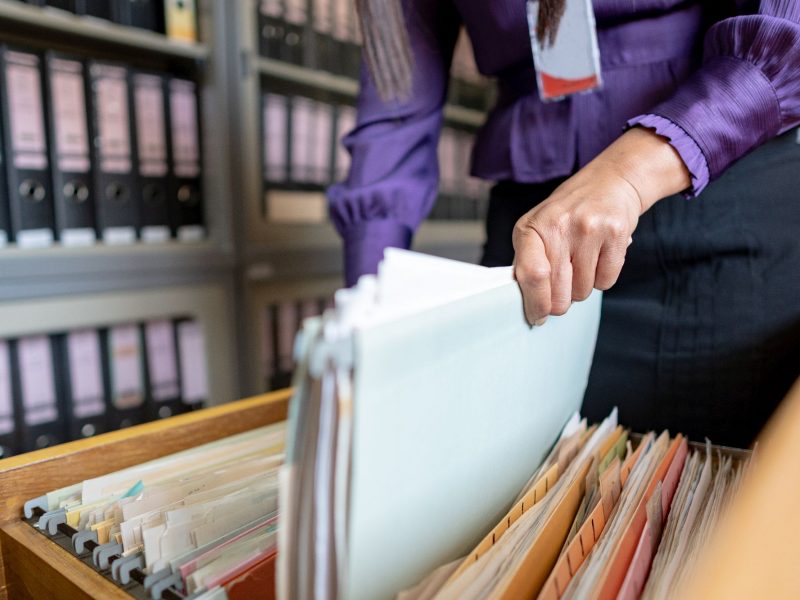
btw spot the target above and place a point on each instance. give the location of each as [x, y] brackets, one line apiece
[534, 273]
[589, 225]
[616, 227]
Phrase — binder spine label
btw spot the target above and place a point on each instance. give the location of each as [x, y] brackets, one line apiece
[36, 377]
[275, 136]
[191, 347]
[150, 126]
[86, 379]
[185, 135]
[161, 363]
[29, 145]
[112, 121]
[6, 402]
[126, 367]
[72, 137]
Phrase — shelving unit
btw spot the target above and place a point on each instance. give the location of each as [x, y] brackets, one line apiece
[58, 288]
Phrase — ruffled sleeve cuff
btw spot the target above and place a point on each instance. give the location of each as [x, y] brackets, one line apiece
[684, 145]
[365, 242]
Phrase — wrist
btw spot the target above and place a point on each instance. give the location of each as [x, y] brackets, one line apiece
[649, 164]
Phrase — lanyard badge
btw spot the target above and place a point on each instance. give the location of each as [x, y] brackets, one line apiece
[564, 44]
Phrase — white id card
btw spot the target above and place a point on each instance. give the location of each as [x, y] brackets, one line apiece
[567, 62]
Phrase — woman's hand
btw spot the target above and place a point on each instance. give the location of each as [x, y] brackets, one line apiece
[577, 238]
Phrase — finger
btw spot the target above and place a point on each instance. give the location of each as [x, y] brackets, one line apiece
[561, 283]
[584, 269]
[532, 272]
[609, 264]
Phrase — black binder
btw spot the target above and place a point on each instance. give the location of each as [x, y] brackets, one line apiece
[149, 103]
[123, 367]
[186, 197]
[146, 14]
[80, 368]
[114, 160]
[5, 219]
[102, 9]
[161, 367]
[70, 150]
[8, 425]
[272, 28]
[68, 5]
[27, 163]
[34, 384]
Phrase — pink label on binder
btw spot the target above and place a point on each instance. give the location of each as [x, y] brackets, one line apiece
[185, 137]
[275, 116]
[194, 376]
[85, 373]
[271, 8]
[296, 12]
[69, 107]
[26, 113]
[126, 366]
[161, 363]
[342, 25]
[6, 403]
[36, 377]
[323, 137]
[150, 126]
[323, 16]
[346, 122]
[112, 123]
[303, 117]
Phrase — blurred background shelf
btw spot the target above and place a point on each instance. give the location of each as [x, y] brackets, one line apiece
[63, 27]
[348, 88]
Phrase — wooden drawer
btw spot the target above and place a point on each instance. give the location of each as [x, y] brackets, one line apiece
[32, 566]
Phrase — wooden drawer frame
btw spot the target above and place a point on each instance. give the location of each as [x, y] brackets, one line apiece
[32, 566]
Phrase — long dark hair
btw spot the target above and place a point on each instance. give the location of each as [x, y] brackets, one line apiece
[388, 52]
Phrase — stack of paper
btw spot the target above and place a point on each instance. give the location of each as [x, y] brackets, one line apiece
[198, 521]
[423, 404]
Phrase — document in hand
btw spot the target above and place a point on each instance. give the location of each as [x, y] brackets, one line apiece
[423, 403]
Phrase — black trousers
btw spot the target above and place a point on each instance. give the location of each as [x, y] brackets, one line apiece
[701, 333]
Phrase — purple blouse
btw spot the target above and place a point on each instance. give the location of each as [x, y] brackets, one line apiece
[716, 77]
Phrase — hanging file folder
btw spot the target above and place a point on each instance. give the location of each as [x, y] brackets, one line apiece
[27, 165]
[114, 169]
[151, 144]
[73, 188]
[186, 198]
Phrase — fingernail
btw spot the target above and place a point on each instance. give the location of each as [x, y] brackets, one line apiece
[540, 322]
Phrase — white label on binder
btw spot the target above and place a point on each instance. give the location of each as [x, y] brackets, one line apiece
[126, 366]
[36, 376]
[150, 125]
[275, 136]
[185, 136]
[194, 376]
[86, 375]
[161, 362]
[113, 117]
[69, 108]
[25, 111]
[6, 403]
